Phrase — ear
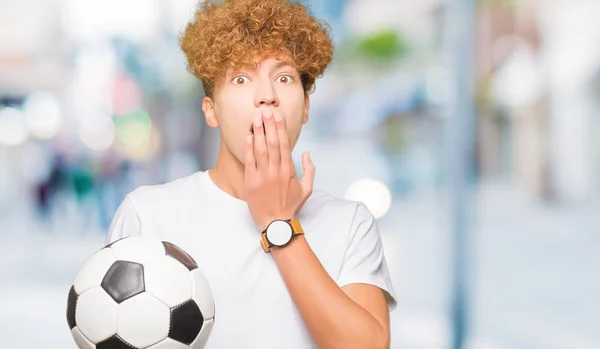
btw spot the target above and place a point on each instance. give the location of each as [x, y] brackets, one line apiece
[306, 108]
[208, 107]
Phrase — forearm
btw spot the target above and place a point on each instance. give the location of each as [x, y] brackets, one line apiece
[333, 319]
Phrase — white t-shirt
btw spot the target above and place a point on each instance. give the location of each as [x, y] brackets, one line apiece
[253, 308]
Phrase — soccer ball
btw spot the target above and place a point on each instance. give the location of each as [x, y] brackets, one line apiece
[140, 293]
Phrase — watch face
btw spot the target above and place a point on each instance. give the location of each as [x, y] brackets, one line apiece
[279, 233]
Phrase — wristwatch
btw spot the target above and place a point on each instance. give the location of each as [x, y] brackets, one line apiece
[279, 233]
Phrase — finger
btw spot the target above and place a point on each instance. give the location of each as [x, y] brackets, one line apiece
[284, 143]
[249, 161]
[308, 174]
[272, 140]
[260, 147]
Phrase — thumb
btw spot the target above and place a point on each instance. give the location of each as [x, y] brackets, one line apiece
[308, 175]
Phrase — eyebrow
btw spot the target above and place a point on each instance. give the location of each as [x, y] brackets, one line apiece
[281, 64]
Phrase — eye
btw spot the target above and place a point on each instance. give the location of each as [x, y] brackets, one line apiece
[285, 79]
[239, 80]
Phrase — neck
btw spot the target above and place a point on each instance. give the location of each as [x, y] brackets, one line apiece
[229, 173]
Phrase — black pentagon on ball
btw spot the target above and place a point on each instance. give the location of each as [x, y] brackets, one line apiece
[180, 255]
[71, 305]
[124, 280]
[186, 322]
[114, 342]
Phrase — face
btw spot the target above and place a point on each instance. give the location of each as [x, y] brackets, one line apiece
[244, 94]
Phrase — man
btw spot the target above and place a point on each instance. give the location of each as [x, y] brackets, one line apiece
[289, 268]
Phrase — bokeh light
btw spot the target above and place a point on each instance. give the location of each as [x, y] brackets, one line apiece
[13, 129]
[373, 193]
[98, 136]
[140, 150]
[43, 115]
[133, 129]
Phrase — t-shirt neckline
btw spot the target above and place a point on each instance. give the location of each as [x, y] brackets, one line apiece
[221, 195]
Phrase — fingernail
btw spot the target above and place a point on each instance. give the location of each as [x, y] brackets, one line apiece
[257, 122]
[249, 139]
[277, 117]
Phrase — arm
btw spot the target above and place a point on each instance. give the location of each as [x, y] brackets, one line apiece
[355, 316]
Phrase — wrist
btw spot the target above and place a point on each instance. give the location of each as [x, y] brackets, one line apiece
[263, 224]
[276, 250]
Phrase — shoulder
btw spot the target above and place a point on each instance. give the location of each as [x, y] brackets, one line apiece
[326, 206]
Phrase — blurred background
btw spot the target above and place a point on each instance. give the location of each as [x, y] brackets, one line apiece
[95, 100]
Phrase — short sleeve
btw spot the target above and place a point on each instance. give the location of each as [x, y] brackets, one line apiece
[364, 261]
[125, 222]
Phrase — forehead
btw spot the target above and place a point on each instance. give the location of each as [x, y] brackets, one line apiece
[268, 62]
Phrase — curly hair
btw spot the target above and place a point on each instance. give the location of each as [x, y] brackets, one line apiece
[233, 34]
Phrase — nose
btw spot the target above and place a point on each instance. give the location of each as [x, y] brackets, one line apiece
[266, 95]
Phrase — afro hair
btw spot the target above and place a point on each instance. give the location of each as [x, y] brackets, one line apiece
[233, 34]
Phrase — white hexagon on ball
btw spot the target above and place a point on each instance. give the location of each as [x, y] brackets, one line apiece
[93, 270]
[96, 315]
[143, 321]
[137, 249]
[80, 340]
[168, 280]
